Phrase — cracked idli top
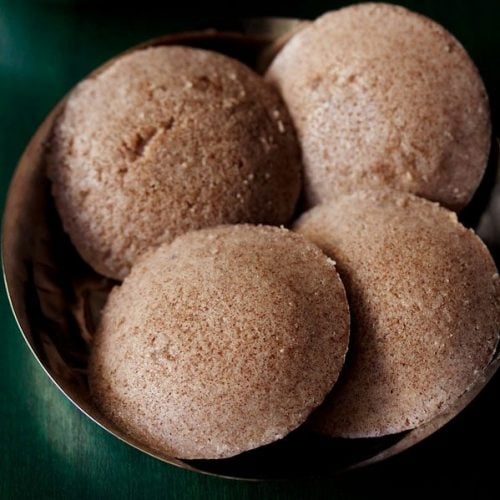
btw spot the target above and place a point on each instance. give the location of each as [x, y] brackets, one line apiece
[166, 140]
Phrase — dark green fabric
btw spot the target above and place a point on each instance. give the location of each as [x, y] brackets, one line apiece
[47, 448]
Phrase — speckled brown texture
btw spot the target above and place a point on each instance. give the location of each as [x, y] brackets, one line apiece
[223, 341]
[384, 97]
[166, 140]
[425, 303]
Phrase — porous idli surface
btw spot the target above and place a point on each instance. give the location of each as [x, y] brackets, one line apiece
[166, 140]
[385, 97]
[425, 307]
[223, 341]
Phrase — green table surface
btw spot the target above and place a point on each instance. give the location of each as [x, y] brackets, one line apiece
[48, 449]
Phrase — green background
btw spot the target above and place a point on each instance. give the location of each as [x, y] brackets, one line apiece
[47, 448]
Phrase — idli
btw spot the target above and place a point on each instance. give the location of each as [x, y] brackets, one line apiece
[166, 140]
[384, 97]
[424, 295]
[223, 341]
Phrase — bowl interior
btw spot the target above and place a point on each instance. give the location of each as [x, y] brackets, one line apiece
[57, 298]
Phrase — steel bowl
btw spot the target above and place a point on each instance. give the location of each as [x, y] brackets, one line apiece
[56, 297]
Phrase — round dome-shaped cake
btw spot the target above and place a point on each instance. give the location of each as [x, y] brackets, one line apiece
[166, 140]
[424, 295]
[222, 341]
[384, 97]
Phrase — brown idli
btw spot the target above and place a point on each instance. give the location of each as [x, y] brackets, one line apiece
[220, 342]
[424, 295]
[384, 97]
[165, 140]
